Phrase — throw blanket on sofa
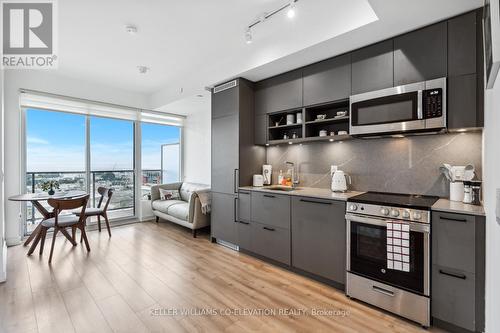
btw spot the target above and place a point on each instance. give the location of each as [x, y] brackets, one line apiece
[205, 200]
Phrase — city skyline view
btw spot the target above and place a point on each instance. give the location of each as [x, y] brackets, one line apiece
[55, 141]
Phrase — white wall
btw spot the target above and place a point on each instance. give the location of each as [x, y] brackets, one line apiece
[491, 186]
[196, 136]
[52, 83]
[3, 247]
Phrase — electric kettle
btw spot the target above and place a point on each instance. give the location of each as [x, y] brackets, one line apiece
[340, 180]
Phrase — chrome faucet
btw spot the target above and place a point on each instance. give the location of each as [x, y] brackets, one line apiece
[295, 174]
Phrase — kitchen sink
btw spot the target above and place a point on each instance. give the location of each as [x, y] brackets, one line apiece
[281, 188]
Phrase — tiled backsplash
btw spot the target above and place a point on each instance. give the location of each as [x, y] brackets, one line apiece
[401, 165]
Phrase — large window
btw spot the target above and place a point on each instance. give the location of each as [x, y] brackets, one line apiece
[161, 155]
[112, 161]
[83, 152]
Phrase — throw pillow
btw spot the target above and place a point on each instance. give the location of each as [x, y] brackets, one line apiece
[169, 194]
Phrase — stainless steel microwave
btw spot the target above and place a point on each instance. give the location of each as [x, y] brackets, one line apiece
[415, 107]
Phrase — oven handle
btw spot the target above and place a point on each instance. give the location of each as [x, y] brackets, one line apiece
[383, 291]
[419, 227]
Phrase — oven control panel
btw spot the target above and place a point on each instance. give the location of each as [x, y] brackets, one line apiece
[396, 213]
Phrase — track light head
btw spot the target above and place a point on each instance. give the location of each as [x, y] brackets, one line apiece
[248, 36]
[291, 9]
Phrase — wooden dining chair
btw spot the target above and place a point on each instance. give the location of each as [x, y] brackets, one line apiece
[100, 210]
[61, 222]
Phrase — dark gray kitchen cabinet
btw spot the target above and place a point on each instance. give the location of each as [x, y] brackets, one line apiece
[235, 158]
[465, 72]
[279, 93]
[244, 206]
[260, 129]
[319, 237]
[271, 209]
[458, 270]
[271, 242]
[223, 217]
[244, 230]
[225, 103]
[327, 81]
[225, 154]
[421, 55]
[464, 108]
[373, 67]
[462, 44]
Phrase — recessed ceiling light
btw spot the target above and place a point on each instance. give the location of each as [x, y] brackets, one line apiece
[143, 69]
[131, 29]
[291, 9]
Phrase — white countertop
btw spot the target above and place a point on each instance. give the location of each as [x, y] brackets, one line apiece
[445, 205]
[312, 192]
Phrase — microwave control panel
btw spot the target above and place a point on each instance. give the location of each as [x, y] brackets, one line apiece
[433, 103]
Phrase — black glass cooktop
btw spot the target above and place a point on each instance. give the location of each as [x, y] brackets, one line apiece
[396, 199]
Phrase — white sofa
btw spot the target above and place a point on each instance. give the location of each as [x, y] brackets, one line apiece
[186, 211]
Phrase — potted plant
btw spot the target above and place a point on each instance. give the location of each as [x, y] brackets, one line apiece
[49, 186]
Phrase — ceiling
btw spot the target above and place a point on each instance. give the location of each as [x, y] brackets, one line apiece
[191, 44]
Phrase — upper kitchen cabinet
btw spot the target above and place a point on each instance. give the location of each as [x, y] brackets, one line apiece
[421, 55]
[279, 93]
[465, 72]
[225, 102]
[373, 67]
[327, 81]
[462, 46]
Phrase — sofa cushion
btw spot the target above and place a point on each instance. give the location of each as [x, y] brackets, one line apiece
[180, 210]
[163, 205]
[188, 188]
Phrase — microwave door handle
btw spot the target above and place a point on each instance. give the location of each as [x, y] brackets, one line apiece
[420, 111]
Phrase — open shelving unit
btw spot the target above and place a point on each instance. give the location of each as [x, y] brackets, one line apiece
[309, 129]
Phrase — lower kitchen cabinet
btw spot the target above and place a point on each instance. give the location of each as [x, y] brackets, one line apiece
[271, 242]
[453, 297]
[272, 209]
[244, 225]
[319, 237]
[223, 217]
[458, 271]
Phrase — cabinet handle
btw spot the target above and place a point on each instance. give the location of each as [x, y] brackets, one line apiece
[316, 202]
[458, 276]
[243, 222]
[452, 219]
[247, 193]
[236, 210]
[267, 228]
[235, 180]
[269, 196]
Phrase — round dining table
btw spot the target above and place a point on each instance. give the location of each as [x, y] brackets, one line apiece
[36, 199]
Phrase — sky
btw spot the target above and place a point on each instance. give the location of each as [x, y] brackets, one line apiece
[56, 142]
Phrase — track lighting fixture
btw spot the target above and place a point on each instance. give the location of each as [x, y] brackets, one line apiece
[291, 10]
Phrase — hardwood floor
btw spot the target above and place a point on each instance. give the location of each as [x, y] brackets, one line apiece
[135, 281]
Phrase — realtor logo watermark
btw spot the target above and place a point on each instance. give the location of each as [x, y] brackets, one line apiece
[29, 34]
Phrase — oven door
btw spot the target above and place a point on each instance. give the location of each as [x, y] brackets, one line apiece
[391, 110]
[367, 253]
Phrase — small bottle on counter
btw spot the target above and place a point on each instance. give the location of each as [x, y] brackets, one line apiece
[280, 177]
[467, 192]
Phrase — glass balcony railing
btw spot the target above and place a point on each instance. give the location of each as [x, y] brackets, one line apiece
[122, 181]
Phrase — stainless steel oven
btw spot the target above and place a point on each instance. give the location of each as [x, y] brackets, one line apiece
[416, 107]
[406, 293]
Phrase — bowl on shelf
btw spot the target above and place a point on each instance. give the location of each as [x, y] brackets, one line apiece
[341, 114]
[320, 116]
